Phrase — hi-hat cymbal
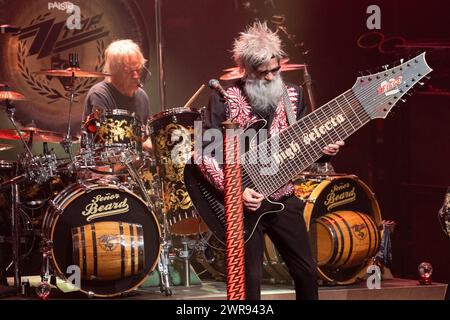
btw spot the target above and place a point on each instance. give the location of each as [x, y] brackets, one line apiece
[72, 72]
[7, 93]
[38, 135]
[4, 146]
[236, 73]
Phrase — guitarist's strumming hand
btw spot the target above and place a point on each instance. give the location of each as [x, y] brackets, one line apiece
[252, 199]
[333, 149]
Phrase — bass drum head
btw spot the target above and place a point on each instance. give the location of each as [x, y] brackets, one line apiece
[85, 220]
[348, 209]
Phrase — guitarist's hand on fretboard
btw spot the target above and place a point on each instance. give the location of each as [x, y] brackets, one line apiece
[333, 148]
[252, 199]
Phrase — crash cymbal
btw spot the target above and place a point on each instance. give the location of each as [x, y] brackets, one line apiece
[38, 135]
[236, 73]
[10, 134]
[7, 93]
[75, 72]
[4, 147]
[32, 128]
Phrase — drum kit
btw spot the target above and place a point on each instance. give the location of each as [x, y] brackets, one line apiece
[110, 211]
[113, 212]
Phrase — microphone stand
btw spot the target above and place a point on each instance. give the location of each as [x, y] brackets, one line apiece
[308, 84]
[306, 75]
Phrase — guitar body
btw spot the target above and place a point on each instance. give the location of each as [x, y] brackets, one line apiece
[210, 205]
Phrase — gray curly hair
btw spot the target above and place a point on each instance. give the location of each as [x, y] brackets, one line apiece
[257, 45]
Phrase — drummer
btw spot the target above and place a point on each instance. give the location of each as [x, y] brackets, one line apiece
[122, 89]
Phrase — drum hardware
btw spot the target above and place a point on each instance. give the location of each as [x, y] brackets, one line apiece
[14, 205]
[71, 73]
[189, 248]
[184, 254]
[16, 234]
[163, 263]
[44, 288]
[163, 268]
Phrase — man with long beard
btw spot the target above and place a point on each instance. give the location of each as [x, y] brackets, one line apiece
[262, 94]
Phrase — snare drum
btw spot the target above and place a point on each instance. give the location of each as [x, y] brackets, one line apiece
[172, 136]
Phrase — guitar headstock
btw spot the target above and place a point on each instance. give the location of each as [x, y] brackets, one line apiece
[379, 92]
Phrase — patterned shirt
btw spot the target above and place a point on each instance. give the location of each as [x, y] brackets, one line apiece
[239, 108]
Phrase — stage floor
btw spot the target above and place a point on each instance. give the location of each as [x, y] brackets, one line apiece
[394, 289]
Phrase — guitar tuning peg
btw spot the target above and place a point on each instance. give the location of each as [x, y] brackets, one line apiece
[402, 100]
[385, 67]
[421, 83]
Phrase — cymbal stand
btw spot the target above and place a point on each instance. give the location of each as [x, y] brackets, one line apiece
[10, 110]
[184, 255]
[15, 204]
[163, 263]
[67, 141]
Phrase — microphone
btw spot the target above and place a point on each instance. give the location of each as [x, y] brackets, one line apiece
[8, 28]
[215, 85]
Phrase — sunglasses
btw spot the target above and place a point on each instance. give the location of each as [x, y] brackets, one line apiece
[266, 72]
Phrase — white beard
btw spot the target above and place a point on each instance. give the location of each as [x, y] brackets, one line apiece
[264, 95]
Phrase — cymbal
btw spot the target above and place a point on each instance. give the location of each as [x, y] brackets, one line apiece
[39, 135]
[7, 93]
[4, 146]
[236, 73]
[75, 72]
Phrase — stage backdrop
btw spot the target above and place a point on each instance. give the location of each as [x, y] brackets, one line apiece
[45, 43]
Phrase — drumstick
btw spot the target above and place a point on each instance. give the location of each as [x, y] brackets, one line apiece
[188, 104]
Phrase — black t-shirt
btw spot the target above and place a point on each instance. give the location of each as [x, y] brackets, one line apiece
[107, 97]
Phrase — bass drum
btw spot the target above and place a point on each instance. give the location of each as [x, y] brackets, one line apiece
[342, 217]
[105, 230]
[172, 136]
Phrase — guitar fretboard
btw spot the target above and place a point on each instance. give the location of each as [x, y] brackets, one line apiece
[274, 162]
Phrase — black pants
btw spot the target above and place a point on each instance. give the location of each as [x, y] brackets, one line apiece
[287, 231]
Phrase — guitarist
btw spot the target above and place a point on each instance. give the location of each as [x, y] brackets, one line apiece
[259, 95]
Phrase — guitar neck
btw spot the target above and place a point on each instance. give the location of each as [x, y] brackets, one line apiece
[274, 162]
